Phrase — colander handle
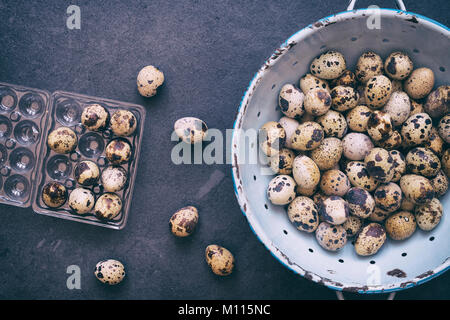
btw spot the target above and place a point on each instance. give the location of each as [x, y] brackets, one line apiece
[399, 3]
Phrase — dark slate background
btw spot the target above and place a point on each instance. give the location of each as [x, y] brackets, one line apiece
[209, 51]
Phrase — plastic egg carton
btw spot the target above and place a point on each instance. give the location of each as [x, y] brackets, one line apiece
[25, 179]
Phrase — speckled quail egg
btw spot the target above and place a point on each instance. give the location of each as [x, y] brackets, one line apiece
[308, 136]
[317, 101]
[444, 128]
[290, 101]
[398, 65]
[416, 129]
[306, 118]
[388, 196]
[118, 151]
[377, 92]
[329, 65]
[407, 205]
[362, 98]
[62, 140]
[368, 66]
[108, 206]
[393, 142]
[334, 182]
[358, 117]
[123, 123]
[183, 222]
[346, 79]
[110, 271]
[95, 117]
[360, 202]
[281, 163]
[359, 176]
[308, 82]
[400, 225]
[380, 164]
[420, 83]
[272, 138]
[379, 126]
[328, 154]
[308, 192]
[81, 200]
[54, 194]
[302, 212]
[331, 237]
[438, 102]
[318, 198]
[305, 172]
[370, 239]
[281, 190]
[86, 173]
[435, 142]
[191, 130]
[356, 146]
[378, 214]
[416, 188]
[416, 107]
[333, 123]
[445, 162]
[149, 80]
[399, 164]
[440, 184]
[219, 259]
[398, 107]
[344, 98]
[289, 125]
[423, 161]
[352, 226]
[429, 215]
[114, 179]
[397, 85]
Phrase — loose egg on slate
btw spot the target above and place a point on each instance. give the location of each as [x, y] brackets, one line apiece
[359, 176]
[423, 161]
[149, 80]
[95, 117]
[400, 225]
[370, 239]
[356, 146]
[379, 126]
[302, 212]
[334, 182]
[399, 165]
[360, 202]
[416, 129]
[289, 125]
[440, 184]
[377, 92]
[352, 226]
[328, 154]
[305, 172]
[219, 259]
[368, 66]
[290, 101]
[331, 237]
[438, 102]
[118, 151]
[281, 163]
[86, 173]
[398, 65]
[317, 102]
[420, 83]
[388, 197]
[333, 123]
[344, 98]
[334, 210]
[81, 200]
[183, 222]
[308, 136]
[429, 215]
[416, 188]
[272, 138]
[398, 107]
[281, 190]
[54, 194]
[191, 130]
[358, 117]
[380, 164]
[114, 179]
[444, 128]
[108, 206]
[123, 123]
[309, 82]
[329, 65]
[110, 271]
[62, 140]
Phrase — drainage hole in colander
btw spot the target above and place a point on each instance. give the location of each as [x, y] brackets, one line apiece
[341, 261]
[404, 254]
[310, 250]
[431, 238]
[354, 39]
[385, 40]
[273, 86]
[372, 262]
[295, 63]
[266, 206]
[254, 178]
[285, 232]
[416, 50]
[442, 69]
[259, 113]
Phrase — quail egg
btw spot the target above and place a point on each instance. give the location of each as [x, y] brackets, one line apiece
[344, 98]
[423, 161]
[377, 91]
[62, 140]
[398, 65]
[329, 65]
[95, 117]
[281, 163]
[356, 146]
[416, 188]
[420, 83]
[110, 271]
[346, 79]
[400, 225]
[380, 164]
[416, 107]
[333, 123]
[445, 162]
[305, 172]
[191, 130]
[219, 259]
[123, 123]
[86, 173]
[289, 125]
[359, 176]
[399, 165]
[302, 212]
[272, 138]
[394, 141]
[54, 194]
[398, 107]
[368, 66]
[370, 239]
[334, 182]
[281, 190]
[183, 222]
[358, 117]
[416, 129]
[360, 202]
[308, 136]
[328, 154]
[379, 126]
[407, 205]
[114, 179]
[334, 210]
[388, 197]
[440, 184]
[378, 214]
[438, 102]
[108, 206]
[309, 82]
[429, 215]
[352, 226]
[397, 85]
[118, 151]
[290, 101]
[317, 101]
[444, 128]
[331, 237]
[81, 200]
[149, 80]
[435, 142]
[306, 191]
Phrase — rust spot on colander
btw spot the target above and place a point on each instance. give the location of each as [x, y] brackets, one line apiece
[397, 273]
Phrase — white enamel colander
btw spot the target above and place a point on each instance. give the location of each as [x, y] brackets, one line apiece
[398, 265]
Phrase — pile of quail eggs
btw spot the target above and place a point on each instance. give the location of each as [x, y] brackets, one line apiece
[360, 155]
